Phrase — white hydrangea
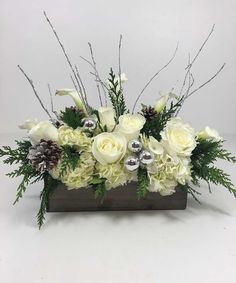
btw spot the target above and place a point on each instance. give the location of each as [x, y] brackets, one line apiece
[167, 170]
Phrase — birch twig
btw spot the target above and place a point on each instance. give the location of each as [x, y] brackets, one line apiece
[34, 90]
[69, 62]
[153, 77]
[119, 59]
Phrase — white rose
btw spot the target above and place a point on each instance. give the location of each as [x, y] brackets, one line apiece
[107, 117]
[28, 124]
[130, 125]
[209, 133]
[178, 137]
[73, 94]
[43, 130]
[109, 147]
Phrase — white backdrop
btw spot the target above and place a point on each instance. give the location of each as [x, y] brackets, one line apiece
[150, 29]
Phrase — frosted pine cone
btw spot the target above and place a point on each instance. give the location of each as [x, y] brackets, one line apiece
[149, 112]
[44, 155]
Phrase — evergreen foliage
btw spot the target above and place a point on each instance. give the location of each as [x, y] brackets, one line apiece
[72, 117]
[154, 126]
[143, 182]
[69, 160]
[49, 185]
[116, 96]
[19, 156]
[202, 159]
[99, 189]
[190, 190]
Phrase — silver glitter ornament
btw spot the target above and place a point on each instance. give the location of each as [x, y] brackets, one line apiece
[135, 146]
[131, 163]
[146, 157]
[89, 124]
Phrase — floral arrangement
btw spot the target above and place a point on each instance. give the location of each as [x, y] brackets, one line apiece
[110, 146]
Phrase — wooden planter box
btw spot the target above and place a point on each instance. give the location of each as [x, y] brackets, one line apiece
[120, 198]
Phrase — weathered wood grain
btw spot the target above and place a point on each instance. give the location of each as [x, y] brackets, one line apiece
[121, 198]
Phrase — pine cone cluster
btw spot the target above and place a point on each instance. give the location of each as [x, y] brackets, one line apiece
[76, 110]
[149, 112]
[44, 155]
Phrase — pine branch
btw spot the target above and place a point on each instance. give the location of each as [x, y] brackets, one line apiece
[72, 117]
[69, 160]
[154, 126]
[143, 183]
[116, 96]
[203, 156]
[99, 188]
[49, 185]
[19, 156]
[187, 188]
[208, 151]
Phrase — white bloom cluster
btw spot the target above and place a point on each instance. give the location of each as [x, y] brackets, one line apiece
[103, 154]
[171, 157]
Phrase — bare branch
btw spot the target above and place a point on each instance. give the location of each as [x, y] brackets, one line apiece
[67, 59]
[208, 81]
[35, 92]
[153, 77]
[121, 89]
[99, 93]
[82, 85]
[96, 72]
[97, 79]
[190, 64]
[75, 86]
[202, 46]
[100, 81]
[51, 99]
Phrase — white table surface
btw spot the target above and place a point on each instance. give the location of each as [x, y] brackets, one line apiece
[194, 245]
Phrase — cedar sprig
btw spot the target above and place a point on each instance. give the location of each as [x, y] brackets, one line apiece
[49, 185]
[69, 159]
[143, 183]
[154, 126]
[116, 96]
[187, 188]
[19, 156]
[72, 117]
[100, 191]
[202, 160]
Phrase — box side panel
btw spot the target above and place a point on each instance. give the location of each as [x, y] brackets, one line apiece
[121, 198]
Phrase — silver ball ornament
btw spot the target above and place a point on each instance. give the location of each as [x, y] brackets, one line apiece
[89, 124]
[135, 146]
[131, 163]
[146, 157]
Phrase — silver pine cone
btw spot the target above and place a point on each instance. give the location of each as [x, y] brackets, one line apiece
[44, 155]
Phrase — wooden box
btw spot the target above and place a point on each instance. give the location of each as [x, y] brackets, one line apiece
[120, 198]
